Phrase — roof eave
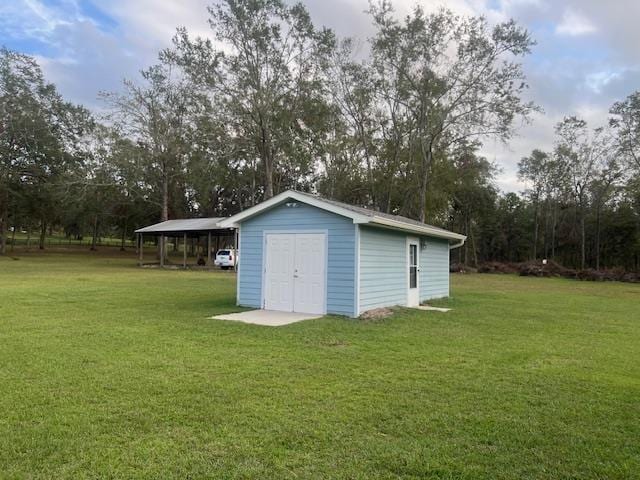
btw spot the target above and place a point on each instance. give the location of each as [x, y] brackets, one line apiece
[235, 220]
[423, 230]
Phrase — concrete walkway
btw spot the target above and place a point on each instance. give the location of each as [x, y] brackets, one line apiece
[270, 318]
[432, 309]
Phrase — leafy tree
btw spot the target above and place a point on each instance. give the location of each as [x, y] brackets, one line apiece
[626, 122]
[40, 140]
[579, 150]
[266, 75]
[455, 77]
[159, 117]
[537, 169]
[473, 196]
[602, 187]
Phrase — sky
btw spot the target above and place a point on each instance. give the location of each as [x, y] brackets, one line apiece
[586, 56]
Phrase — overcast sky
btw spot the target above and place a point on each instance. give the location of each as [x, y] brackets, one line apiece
[586, 56]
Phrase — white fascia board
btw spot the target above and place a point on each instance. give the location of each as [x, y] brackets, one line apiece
[233, 221]
[457, 245]
[424, 230]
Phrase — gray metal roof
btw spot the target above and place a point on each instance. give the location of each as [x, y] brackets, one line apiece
[185, 225]
[359, 215]
[374, 213]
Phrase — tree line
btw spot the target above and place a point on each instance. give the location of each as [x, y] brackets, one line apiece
[271, 102]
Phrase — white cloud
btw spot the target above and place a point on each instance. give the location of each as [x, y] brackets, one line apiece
[575, 24]
[28, 19]
[597, 81]
[594, 63]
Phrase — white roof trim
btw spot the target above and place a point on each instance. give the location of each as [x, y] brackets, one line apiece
[408, 227]
[183, 225]
[373, 219]
[273, 201]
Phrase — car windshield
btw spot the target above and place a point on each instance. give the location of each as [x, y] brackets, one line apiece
[223, 252]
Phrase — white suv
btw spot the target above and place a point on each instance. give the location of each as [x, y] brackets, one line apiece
[226, 259]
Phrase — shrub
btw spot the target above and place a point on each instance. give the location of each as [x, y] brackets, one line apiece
[535, 268]
[498, 267]
[462, 268]
[551, 269]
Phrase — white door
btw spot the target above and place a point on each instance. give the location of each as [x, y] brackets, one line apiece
[278, 274]
[309, 273]
[413, 272]
[295, 272]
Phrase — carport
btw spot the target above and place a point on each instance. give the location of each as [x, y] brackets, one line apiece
[193, 232]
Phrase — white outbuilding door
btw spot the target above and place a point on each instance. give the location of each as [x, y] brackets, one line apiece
[295, 272]
[413, 272]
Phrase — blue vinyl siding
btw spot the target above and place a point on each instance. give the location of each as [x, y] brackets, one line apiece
[383, 268]
[340, 253]
[434, 269]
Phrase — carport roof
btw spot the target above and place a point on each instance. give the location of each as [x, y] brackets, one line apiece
[184, 225]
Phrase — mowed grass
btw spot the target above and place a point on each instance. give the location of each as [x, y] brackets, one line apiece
[111, 371]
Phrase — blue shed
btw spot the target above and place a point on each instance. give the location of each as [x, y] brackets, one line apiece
[302, 253]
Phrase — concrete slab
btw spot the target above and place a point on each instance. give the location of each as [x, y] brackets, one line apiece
[270, 318]
[432, 309]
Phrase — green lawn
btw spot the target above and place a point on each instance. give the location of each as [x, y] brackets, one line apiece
[108, 370]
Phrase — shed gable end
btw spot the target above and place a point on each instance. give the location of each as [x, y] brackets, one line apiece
[299, 218]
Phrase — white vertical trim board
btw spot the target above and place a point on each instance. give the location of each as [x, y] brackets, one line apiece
[237, 269]
[356, 296]
[412, 241]
[326, 271]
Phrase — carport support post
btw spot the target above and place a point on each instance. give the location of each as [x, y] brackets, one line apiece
[184, 256]
[235, 249]
[209, 249]
[140, 244]
[162, 250]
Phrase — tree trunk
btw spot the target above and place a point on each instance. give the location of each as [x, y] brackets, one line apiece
[370, 179]
[535, 230]
[165, 198]
[13, 236]
[253, 183]
[582, 239]
[367, 157]
[598, 237]
[636, 248]
[473, 247]
[94, 240]
[164, 216]
[124, 235]
[554, 224]
[3, 239]
[466, 244]
[4, 220]
[268, 176]
[43, 234]
[424, 184]
[391, 174]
